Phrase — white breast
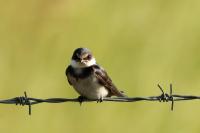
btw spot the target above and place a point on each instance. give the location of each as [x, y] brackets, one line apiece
[90, 88]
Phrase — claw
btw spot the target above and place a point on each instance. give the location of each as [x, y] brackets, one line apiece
[100, 100]
[81, 99]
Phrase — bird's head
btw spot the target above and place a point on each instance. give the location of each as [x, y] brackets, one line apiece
[82, 57]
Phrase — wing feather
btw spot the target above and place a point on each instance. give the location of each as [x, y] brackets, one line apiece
[105, 80]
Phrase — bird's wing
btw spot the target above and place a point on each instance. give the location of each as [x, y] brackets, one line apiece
[67, 72]
[105, 80]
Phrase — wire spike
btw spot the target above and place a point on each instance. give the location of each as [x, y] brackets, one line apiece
[171, 97]
[171, 89]
[27, 102]
[160, 88]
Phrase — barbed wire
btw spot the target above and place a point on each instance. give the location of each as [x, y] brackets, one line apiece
[164, 97]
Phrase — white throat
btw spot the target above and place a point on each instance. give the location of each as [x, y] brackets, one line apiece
[76, 64]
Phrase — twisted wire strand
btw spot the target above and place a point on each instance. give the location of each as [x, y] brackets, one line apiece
[164, 97]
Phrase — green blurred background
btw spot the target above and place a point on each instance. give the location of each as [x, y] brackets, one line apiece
[140, 43]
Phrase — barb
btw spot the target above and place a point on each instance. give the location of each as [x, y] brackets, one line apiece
[164, 97]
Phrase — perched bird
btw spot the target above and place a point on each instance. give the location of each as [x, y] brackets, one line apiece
[89, 79]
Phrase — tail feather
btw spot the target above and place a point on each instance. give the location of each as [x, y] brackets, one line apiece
[121, 94]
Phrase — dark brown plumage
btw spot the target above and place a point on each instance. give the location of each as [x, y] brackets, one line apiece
[100, 74]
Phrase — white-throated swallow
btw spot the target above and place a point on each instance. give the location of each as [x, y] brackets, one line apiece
[89, 79]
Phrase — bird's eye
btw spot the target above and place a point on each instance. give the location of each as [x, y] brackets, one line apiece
[89, 57]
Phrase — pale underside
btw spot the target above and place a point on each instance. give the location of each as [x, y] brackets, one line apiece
[89, 87]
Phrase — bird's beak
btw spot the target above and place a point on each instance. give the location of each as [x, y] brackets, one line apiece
[82, 61]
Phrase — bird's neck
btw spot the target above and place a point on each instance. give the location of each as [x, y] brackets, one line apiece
[78, 65]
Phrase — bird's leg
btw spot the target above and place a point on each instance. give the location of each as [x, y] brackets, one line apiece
[100, 100]
[81, 99]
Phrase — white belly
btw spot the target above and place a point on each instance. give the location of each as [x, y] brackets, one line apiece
[90, 88]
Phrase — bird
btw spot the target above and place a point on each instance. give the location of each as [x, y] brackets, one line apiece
[88, 78]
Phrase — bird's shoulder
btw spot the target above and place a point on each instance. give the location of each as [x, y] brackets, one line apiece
[68, 73]
[68, 69]
[101, 74]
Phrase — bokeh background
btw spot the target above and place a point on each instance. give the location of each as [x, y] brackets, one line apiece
[139, 42]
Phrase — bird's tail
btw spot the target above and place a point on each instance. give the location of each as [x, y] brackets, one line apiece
[121, 94]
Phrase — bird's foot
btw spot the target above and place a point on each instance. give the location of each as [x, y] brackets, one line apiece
[100, 100]
[81, 99]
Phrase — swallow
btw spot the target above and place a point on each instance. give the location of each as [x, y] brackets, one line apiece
[88, 78]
